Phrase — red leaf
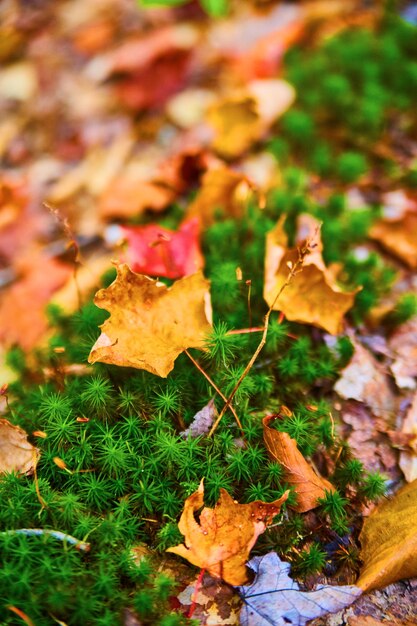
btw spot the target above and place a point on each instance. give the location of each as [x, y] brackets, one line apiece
[157, 251]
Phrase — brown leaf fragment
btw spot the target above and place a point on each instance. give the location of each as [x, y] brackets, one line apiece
[365, 379]
[398, 237]
[224, 192]
[150, 324]
[222, 539]
[16, 453]
[243, 117]
[389, 541]
[215, 603]
[202, 421]
[408, 457]
[313, 296]
[298, 473]
[403, 344]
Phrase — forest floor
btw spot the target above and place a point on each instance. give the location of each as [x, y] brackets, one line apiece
[192, 171]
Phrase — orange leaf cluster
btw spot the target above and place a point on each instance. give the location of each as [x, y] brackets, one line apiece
[222, 539]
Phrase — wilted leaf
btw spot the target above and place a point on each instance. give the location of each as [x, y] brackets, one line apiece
[408, 457]
[297, 472]
[202, 421]
[313, 296]
[157, 251]
[275, 599]
[242, 119]
[389, 541]
[365, 379]
[16, 453]
[150, 325]
[222, 539]
[222, 192]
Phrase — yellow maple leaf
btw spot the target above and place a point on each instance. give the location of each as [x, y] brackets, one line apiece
[312, 296]
[222, 539]
[151, 324]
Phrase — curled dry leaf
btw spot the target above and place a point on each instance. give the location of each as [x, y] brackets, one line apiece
[365, 379]
[313, 296]
[242, 119]
[16, 453]
[150, 325]
[297, 472]
[157, 251]
[222, 539]
[274, 598]
[408, 457]
[389, 541]
[223, 192]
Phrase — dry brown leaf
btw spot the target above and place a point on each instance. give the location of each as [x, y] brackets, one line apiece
[313, 296]
[16, 453]
[389, 541]
[222, 539]
[222, 191]
[150, 325]
[408, 457]
[398, 237]
[368, 439]
[297, 472]
[365, 379]
[242, 119]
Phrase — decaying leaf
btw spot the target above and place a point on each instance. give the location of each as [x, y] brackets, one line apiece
[202, 421]
[368, 439]
[150, 325]
[365, 379]
[242, 119]
[389, 541]
[298, 473]
[275, 599]
[215, 602]
[408, 457]
[223, 192]
[403, 344]
[313, 296]
[157, 251]
[16, 453]
[222, 539]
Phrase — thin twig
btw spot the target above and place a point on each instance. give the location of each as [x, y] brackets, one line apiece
[295, 268]
[215, 387]
[57, 534]
[195, 593]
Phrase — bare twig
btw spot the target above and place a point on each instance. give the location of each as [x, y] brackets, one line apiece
[294, 269]
[215, 387]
